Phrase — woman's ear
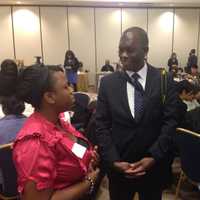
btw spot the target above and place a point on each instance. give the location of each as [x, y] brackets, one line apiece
[49, 97]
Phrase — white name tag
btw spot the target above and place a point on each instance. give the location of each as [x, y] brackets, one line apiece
[79, 150]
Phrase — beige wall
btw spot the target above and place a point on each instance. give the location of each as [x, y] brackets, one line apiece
[160, 31]
[54, 34]
[94, 33]
[27, 33]
[186, 29]
[6, 47]
[134, 17]
[82, 41]
[108, 32]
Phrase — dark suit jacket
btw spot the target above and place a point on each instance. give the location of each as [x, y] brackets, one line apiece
[172, 62]
[107, 68]
[192, 60]
[121, 138]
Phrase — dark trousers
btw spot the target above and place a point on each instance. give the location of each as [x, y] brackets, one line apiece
[125, 189]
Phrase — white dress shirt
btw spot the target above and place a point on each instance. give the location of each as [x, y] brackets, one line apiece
[131, 90]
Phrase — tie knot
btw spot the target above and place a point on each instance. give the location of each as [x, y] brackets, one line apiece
[135, 76]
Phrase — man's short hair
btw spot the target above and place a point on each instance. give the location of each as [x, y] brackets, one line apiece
[140, 33]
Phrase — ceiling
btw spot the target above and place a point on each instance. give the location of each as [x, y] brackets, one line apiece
[107, 3]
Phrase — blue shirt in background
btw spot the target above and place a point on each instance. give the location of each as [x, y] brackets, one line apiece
[9, 127]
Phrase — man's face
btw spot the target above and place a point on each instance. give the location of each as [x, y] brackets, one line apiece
[131, 52]
[194, 71]
[188, 96]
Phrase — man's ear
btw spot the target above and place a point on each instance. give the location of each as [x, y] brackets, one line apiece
[146, 50]
[49, 97]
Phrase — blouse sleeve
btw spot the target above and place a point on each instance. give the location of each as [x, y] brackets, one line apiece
[34, 160]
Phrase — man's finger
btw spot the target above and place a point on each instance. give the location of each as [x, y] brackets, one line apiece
[134, 171]
[135, 165]
[136, 175]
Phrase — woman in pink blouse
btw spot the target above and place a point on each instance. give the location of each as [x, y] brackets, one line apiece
[52, 159]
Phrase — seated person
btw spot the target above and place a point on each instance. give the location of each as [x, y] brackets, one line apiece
[107, 67]
[13, 108]
[187, 92]
[192, 121]
[52, 159]
[13, 120]
[195, 74]
[182, 88]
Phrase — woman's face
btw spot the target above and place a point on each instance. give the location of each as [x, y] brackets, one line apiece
[63, 96]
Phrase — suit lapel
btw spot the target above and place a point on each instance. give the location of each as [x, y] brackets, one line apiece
[149, 81]
[124, 79]
[149, 86]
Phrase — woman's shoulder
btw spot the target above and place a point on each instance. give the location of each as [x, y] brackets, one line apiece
[37, 126]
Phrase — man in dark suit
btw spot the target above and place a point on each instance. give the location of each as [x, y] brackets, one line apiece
[135, 128]
[107, 67]
[192, 59]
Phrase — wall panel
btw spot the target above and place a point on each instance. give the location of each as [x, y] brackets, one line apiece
[6, 49]
[54, 34]
[108, 32]
[81, 31]
[27, 33]
[186, 29]
[160, 31]
[134, 17]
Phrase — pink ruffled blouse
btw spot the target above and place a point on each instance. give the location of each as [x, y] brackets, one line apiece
[42, 153]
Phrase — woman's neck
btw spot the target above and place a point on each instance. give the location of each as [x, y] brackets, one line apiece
[50, 115]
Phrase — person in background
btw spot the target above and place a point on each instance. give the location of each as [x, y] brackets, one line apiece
[173, 62]
[13, 120]
[71, 65]
[195, 75]
[134, 125]
[12, 107]
[192, 59]
[52, 159]
[107, 67]
[187, 92]
[38, 60]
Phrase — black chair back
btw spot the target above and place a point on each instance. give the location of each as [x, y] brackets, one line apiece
[8, 172]
[188, 143]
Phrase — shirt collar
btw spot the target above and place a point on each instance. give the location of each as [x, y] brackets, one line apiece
[142, 72]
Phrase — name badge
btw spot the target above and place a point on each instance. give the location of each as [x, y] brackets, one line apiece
[79, 150]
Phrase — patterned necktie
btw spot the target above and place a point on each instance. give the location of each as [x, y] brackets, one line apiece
[138, 96]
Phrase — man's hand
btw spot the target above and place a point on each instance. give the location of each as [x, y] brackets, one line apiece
[121, 166]
[139, 168]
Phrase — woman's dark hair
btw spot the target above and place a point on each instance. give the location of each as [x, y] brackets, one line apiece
[34, 82]
[69, 52]
[29, 85]
[8, 77]
[12, 106]
[185, 85]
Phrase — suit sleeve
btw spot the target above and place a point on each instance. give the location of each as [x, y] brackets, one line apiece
[170, 119]
[103, 126]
